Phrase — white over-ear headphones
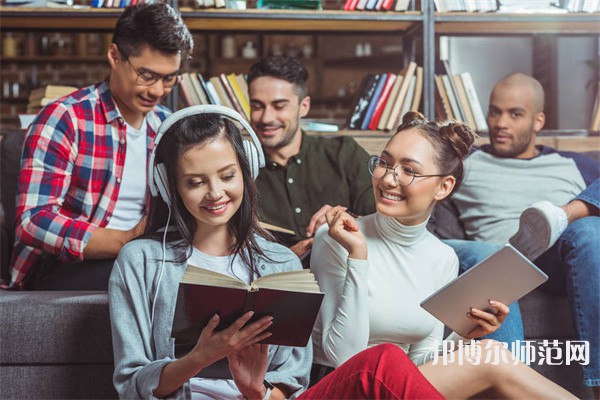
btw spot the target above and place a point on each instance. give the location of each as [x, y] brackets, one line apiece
[157, 174]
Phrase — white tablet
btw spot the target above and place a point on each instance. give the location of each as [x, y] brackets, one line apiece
[505, 276]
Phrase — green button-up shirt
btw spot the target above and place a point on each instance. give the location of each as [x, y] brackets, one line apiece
[330, 171]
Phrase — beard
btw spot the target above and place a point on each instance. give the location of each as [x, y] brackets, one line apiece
[519, 145]
[284, 140]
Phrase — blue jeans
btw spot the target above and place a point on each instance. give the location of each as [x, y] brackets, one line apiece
[470, 253]
[573, 267]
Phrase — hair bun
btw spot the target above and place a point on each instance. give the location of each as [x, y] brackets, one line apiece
[460, 137]
[413, 117]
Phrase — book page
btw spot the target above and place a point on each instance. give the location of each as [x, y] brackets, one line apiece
[201, 276]
[298, 281]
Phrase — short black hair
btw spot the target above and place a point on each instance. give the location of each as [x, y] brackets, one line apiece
[282, 67]
[157, 25]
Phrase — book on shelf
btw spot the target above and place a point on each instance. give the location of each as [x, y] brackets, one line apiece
[443, 98]
[240, 95]
[416, 102]
[395, 116]
[401, 5]
[218, 86]
[362, 101]
[407, 103]
[452, 98]
[478, 115]
[382, 101]
[184, 94]
[453, 91]
[200, 93]
[385, 116]
[186, 82]
[463, 102]
[214, 96]
[231, 95]
[595, 121]
[292, 298]
[203, 84]
[373, 101]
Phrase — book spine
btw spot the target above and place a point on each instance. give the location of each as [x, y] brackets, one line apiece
[451, 98]
[215, 99]
[418, 90]
[362, 101]
[239, 95]
[395, 113]
[464, 102]
[382, 101]
[373, 102]
[453, 90]
[204, 86]
[385, 116]
[478, 115]
[229, 91]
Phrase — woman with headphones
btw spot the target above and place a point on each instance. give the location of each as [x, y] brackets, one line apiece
[203, 171]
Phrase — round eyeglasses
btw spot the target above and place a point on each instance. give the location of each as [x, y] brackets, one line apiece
[403, 174]
[149, 78]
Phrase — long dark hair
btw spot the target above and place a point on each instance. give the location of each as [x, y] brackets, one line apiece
[244, 226]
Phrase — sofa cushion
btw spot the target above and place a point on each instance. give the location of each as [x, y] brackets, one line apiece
[55, 328]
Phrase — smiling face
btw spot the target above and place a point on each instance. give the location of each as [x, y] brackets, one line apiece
[276, 111]
[210, 183]
[412, 204]
[513, 120]
[135, 100]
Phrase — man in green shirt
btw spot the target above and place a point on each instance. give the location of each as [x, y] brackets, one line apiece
[304, 175]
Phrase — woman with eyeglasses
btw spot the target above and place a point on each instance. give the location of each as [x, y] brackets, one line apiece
[376, 270]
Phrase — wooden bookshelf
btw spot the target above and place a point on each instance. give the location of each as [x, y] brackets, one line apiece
[515, 24]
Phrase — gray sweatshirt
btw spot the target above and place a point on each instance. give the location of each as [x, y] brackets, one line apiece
[142, 347]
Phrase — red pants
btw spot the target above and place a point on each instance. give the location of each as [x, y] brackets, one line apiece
[381, 372]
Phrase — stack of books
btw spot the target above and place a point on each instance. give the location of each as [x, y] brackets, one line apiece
[456, 99]
[376, 5]
[45, 95]
[466, 5]
[384, 98]
[230, 90]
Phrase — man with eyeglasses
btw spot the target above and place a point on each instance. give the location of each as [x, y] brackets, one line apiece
[82, 187]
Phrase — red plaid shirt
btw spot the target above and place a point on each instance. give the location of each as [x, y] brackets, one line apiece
[71, 170]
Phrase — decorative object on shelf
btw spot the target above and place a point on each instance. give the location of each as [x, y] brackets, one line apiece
[228, 47]
[290, 4]
[9, 45]
[236, 4]
[249, 51]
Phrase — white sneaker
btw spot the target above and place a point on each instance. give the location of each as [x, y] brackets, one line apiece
[540, 226]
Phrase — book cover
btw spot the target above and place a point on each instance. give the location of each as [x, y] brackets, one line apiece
[362, 101]
[241, 80]
[392, 122]
[216, 82]
[229, 92]
[184, 94]
[478, 115]
[443, 98]
[373, 102]
[452, 98]
[198, 89]
[382, 101]
[453, 91]
[402, 5]
[410, 93]
[207, 92]
[292, 298]
[464, 102]
[240, 96]
[385, 116]
[418, 90]
[186, 82]
[210, 88]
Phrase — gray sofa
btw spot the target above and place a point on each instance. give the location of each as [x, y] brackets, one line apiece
[58, 345]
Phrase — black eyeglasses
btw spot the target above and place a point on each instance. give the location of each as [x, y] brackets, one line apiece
[147, 78]
[403, 174]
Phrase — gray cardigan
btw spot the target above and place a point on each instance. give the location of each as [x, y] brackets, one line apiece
[143, 348]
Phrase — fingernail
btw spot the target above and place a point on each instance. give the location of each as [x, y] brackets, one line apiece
[492, 303]
[216, 316]
[468, 314]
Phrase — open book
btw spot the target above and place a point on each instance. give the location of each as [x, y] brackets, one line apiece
[293, 299]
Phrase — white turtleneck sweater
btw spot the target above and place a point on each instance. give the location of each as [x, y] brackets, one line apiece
[374, 301]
